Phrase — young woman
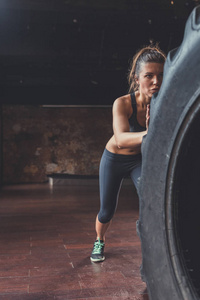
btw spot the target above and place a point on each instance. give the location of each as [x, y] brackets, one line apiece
[122, 155]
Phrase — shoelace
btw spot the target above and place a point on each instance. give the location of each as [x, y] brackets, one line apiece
[98, 247]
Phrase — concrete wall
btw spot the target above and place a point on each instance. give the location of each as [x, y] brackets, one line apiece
[38, 141]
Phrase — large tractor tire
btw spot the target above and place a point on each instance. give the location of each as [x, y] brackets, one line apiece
[169, 193]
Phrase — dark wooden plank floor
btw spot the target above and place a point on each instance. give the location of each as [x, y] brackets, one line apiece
[46, 237]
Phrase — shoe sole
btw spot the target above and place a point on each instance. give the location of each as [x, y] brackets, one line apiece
[97, 260]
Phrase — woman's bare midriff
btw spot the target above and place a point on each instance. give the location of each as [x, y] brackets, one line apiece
[112, 147]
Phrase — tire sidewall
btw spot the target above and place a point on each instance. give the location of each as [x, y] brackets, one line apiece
[179, 91]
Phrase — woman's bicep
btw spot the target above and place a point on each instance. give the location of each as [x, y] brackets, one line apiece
[120, 119]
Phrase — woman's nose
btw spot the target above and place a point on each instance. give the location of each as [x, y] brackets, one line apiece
[155, 80]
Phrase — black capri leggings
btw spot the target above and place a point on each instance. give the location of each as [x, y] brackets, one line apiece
[113, 169]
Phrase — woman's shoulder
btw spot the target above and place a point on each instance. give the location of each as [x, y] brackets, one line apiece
[124, 100]
[123, 105]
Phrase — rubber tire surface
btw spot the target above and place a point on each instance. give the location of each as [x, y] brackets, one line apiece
[179, 92]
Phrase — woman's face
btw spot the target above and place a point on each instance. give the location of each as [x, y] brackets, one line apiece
[150, 78]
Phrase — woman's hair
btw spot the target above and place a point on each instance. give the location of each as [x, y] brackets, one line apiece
[148, 54]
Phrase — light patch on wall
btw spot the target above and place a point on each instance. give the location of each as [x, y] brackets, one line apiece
[74, 146]
[52, 168]
[37, 152]
[31, 169]
[16, 128]
[70, 165]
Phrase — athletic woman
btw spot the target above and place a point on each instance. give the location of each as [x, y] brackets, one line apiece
[122, 154]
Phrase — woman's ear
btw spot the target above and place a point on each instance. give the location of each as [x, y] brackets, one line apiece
[136, 80]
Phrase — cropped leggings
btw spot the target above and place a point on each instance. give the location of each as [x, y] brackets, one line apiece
[113, 169]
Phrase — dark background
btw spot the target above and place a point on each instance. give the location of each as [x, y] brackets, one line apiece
[77, 52]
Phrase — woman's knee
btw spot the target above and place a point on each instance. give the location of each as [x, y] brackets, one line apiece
[105, 217]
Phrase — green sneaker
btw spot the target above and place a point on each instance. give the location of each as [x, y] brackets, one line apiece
[98, 251]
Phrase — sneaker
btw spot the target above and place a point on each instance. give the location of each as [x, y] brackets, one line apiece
[98, 251]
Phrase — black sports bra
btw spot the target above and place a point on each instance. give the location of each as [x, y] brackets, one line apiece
[134, 125]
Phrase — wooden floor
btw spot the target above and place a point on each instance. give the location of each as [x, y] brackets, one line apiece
[46, 237]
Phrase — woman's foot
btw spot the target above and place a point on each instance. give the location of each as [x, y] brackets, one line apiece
[98, 251]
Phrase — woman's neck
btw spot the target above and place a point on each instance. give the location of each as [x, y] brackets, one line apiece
[142, 99]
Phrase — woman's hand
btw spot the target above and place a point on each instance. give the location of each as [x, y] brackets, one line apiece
[147, 117]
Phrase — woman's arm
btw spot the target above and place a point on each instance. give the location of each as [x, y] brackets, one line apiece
[123, 137]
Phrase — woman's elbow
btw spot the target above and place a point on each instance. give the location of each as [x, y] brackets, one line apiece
[119, 144]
